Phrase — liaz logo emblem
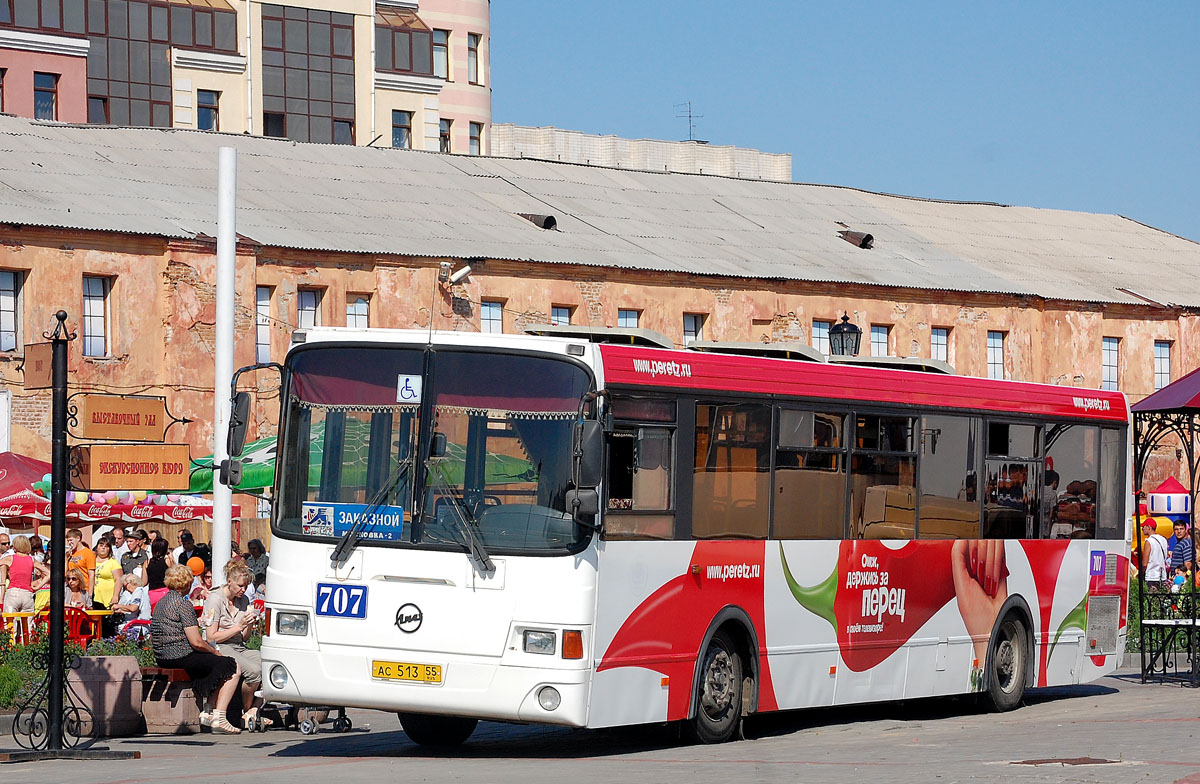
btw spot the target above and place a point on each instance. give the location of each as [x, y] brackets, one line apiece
[408, 618]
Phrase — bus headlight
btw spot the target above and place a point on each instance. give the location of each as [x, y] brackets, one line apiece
[549, 698]
[279, 676]
[295, 624]
[539, 642]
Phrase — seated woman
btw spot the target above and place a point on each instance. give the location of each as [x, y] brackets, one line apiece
[228, 620]
[177, 643]
[77, 594]
[133, 604]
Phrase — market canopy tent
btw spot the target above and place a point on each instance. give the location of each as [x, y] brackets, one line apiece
[1170, 413]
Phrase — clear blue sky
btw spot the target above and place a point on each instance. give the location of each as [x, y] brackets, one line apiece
[1091, 106]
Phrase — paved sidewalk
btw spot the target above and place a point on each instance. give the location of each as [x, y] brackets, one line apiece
[1115, 730]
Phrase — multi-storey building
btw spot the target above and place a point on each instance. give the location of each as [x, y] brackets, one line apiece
[378, 72]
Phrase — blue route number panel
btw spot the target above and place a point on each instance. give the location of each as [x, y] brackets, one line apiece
[342, 601]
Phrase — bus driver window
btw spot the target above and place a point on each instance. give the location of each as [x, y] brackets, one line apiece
[639, 477]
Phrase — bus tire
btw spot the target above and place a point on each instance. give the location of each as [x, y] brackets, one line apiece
[718, 691]
[1008, 663]
[428, 730]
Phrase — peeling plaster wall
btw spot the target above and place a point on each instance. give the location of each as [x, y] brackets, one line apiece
[163, 317]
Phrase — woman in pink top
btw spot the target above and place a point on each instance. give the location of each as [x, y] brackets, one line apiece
[22, 575]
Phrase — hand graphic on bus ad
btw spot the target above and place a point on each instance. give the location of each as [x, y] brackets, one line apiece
[981, 586]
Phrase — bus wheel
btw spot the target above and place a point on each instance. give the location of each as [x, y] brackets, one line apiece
[1007, 664]
[719, 691]
[426, 730]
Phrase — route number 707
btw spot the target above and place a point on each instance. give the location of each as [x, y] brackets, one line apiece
[343, 601]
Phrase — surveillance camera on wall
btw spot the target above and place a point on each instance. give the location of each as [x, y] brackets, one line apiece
[444, 271]
[459, 275]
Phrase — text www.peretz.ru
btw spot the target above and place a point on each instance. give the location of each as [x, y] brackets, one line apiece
[743, 571]
[658, 367]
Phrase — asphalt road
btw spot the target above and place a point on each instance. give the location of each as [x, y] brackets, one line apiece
[1114, 730]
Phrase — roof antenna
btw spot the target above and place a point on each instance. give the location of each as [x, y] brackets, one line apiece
[684, 110]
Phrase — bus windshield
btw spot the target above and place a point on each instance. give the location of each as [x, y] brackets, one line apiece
[502, 422]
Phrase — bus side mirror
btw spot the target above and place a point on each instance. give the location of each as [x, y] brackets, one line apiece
[438, 447]
[587, 446]
[239, 420]
[583, 502]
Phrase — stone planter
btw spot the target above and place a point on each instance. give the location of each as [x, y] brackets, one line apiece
[111, 688]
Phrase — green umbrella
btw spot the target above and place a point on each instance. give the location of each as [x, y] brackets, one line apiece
[258, 462]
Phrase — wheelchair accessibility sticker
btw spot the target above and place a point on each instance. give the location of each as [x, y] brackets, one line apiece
[408, 389]
[385, 523]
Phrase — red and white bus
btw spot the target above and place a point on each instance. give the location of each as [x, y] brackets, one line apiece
[549, 529]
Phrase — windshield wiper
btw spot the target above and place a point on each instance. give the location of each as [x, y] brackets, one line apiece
[350, 539]
[464, 520]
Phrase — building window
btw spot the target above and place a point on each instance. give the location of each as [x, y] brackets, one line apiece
[274, 124]
[207, 116]
[820, 336]
[444, 135]
[491, 316]
[995, 354]
[1162, 364]
[560, 315]
[97, 110]
[628, 318]
[939, 344]
[402, 129]
[45, 96]
[476, 138]
[262, 324]
[879, 340]
[308, 73]
[441, 53]
[358, 307]
[129, 50]
[1110, 361]
[95, 316]
[473, 58]
[403, 43]
[10, 310]
[308, 308]
[693, 327]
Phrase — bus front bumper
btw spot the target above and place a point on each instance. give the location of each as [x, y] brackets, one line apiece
[478, 687]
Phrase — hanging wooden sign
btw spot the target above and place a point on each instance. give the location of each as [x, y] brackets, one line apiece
[121, 418]
[105, 467]
[39, 371]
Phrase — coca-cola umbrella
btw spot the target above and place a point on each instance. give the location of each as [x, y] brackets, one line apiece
[24, 488]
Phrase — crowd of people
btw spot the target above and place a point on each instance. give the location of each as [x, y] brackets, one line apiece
[142, 585]
[1169, 562]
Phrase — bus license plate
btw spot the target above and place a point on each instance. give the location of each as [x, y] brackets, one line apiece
[406, 671]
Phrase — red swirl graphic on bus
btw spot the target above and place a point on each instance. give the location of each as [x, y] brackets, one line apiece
[666, 630]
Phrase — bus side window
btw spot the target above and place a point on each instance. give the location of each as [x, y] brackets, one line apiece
[731, 483]
[949, 478]
[1110, 522]
[1072, 481]
[882, 478]
[639, 502]
[810, 476]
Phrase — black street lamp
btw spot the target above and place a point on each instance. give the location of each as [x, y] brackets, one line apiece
[844, 338]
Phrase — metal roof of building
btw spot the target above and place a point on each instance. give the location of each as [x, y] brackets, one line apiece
[387, 201]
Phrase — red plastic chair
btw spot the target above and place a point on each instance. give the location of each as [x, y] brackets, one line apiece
[81, 627]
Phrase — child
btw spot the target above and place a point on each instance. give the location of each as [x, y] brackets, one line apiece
[1180, 579]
